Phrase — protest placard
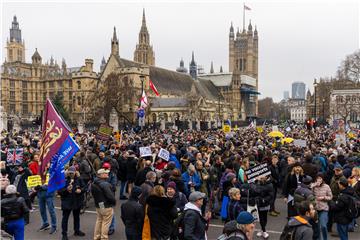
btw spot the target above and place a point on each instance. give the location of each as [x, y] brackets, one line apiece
[164, 154]
[259, 129]
[299, 143]
[275, 128]
[226, 128]
[104, 132]
[340, 139]
[33, 181]
[145, 151]
[257, 171]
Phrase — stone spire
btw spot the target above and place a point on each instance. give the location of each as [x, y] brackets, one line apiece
[114, 44]
[212, 68]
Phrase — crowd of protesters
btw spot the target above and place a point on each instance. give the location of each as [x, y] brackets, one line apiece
[204, 178]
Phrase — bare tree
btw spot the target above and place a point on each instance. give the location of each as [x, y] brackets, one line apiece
[350, 68]
[116, 92]
[346, 105]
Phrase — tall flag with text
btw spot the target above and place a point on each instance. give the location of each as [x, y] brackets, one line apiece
[56, 147]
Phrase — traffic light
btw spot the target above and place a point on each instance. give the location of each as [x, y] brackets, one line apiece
[308, 124]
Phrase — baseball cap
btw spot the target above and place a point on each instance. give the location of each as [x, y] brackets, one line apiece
[194, 196]
[102, 170]
[71, 169]
[245, 217]
[307, 179]
[106, 165]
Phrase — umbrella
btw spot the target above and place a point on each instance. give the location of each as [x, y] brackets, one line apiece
[276, 134]
[287, 140]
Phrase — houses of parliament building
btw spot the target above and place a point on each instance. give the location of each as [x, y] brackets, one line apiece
[184, 95]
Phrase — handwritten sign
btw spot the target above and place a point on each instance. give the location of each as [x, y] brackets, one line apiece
[257, 171]
[300, 143]
[226, 128]
[35, 180]
[104, 132]
[259, 129]
[164, 154]
[145, 151]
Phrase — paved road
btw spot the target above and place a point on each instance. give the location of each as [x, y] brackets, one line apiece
[87, 223]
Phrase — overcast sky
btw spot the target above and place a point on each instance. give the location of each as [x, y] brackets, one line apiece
[298, 40]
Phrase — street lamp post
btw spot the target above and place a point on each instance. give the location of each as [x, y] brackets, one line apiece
[315, 85]
[323, 110]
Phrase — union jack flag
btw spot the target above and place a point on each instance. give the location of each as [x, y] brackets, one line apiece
[15, 156]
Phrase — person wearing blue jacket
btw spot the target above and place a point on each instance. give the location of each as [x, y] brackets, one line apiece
[173, 158]
[191, 179]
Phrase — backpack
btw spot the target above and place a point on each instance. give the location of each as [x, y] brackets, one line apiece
[179, 226]
[288, 233]
[353, 210]
[234, 234]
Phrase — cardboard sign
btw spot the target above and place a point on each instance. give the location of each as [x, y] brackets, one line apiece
[226, 128]
[164, 154]
[104, 132]
[340, 139]
[275, 128]
[257, 171]
[35, 180]
[145, 151]
[259, 129]
[299, 143]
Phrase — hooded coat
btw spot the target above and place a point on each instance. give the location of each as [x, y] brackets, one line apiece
[132, 215]
[72, 200]
[161, 213]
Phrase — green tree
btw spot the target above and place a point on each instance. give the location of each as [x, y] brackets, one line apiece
[58, 102]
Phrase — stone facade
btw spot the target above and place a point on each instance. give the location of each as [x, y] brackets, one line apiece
[345, 105]
[26, 86]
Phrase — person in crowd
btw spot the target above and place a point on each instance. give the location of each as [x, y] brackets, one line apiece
[334, 186]
[71, 201]
[191, 180]
[46, 201]
[292, 181]
[309, 167]
[245, 165]
[179, 197]
[195, 224]
[141, 175]
[122, 174]
[13, 211]
[341, 208]
[275, 180]
[19, 180]
[147, 187]
[34, 164]
[323, 195]
[113, 181]
[161, 212]
[131, 163]
[240, 229]
[132, 215]
[234, 206]
[298, 227]
[304, 192]
[177, 179]
[104, 199]
[264, 193]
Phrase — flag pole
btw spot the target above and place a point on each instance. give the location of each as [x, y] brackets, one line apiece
[244, 17]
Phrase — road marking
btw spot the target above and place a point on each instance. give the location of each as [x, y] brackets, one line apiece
[210, 225]
[257, 230]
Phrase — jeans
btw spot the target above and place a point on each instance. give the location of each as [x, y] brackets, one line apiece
[272, 203]
[323, 220]
[112, 225]
[342, 231]
[122, 188]
[49, 202]
[65, 219]
[16, 228]
[131, 235]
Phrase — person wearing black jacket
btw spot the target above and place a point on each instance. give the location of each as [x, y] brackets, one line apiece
[341, 208]
[122, 175]
[275, 179]
[131, 164]
[72, 198]
[132, 214]
[104, 199]
[264, 193]
[161, 212]
[13, 210]
[141, 175]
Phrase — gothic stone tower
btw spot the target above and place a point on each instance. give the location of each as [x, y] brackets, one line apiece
[15, 47]
[243, 60]
[144, 52]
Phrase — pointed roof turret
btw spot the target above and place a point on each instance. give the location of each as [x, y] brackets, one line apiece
[221, 70]
[231, 34]
[103, 64]
[114, 35]
[15, 32]
[143, 18]
[192, 59]
[212, 68]
[36, 58]
[181, 62]
[250, 26]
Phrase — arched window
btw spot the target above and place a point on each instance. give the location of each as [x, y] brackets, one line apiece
[79, 101]
[154, 117]
[166, 117]
[79, 84]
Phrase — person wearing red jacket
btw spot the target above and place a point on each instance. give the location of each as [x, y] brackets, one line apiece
[34, 164]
